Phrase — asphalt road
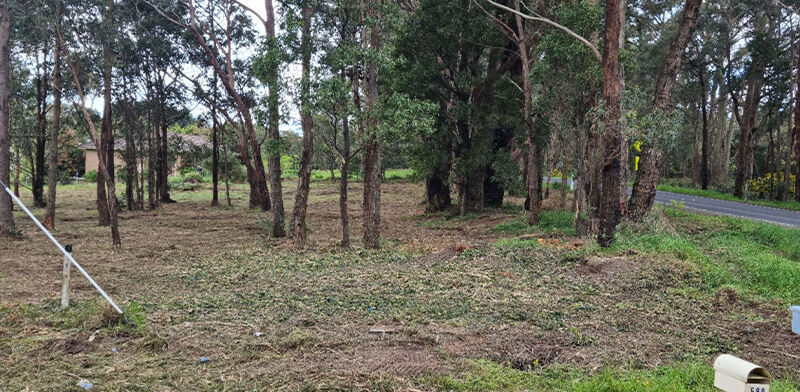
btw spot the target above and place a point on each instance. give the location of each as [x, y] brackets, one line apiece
[730, 208]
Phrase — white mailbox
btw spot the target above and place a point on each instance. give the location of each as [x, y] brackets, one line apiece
[733, 374]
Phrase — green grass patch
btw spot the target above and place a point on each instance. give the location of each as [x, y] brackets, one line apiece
[517, 243]
[560, 222]
[485, 375]
[327, 175]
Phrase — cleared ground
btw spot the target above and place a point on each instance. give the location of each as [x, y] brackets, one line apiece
[481, 302]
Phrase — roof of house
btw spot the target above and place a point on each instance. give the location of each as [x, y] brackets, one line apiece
[186, 142]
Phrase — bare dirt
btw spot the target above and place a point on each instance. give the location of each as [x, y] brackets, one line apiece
[269, 316]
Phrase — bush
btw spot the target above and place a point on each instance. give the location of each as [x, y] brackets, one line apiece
[761, 186]
[91, 176]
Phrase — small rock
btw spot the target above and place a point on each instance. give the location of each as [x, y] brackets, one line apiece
[84, 384]
[257, 333]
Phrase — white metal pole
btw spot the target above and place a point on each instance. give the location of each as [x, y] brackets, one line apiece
[61, 248]
[65, 283]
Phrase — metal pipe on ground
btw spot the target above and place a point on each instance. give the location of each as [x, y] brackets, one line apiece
[61, 248]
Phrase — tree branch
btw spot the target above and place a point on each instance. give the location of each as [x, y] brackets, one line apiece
[565, 29]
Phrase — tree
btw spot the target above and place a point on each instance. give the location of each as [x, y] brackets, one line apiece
[612, 139]
[101, 148]
[371, 33]
[644, 188]
[299, 230]
[7, 225]
[200, 30]
[267, 68]
[748, 121]
[52, 173]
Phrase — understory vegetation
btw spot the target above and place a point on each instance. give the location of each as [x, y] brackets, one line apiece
[451, 303]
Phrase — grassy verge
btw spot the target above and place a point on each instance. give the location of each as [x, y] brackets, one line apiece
[789, 205]
[489, 376]
[755, 258]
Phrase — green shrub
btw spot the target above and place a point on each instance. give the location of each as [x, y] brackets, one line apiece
[91, 176]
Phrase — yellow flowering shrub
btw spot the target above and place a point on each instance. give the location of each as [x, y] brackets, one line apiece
[762, 185]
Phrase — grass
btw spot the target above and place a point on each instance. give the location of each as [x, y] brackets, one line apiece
[325, 175]
[756, 258]
[550, 222]
[788, 205]
[475, 302]
[489, 376]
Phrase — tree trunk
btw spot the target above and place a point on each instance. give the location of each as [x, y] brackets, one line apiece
[582, 226]
[532, 139]
[131, 171]
[344, 172]
[151, 160]
[610, 211]
[16, 173]
[104, 216]
[705, 176]
[644, 188]
[214, 148]
[6, 213]
[372, 150]
[299, 231]
[273, 107]
[106, 139]
[42, 87]
[564, 184]
[747, 129]
[101, 153]
[52, 172]
[437, 191]
[797, 130]
[163, 154]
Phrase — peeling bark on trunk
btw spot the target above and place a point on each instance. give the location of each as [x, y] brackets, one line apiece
[7, 225]
[644, 188]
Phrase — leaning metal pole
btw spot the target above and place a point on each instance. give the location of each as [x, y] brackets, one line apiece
[61, 248]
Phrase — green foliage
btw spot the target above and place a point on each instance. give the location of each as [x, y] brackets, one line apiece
[485, 375]
[135, 317]
[756, 258]
[91, 176]
[549, 222]
[769, 183]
